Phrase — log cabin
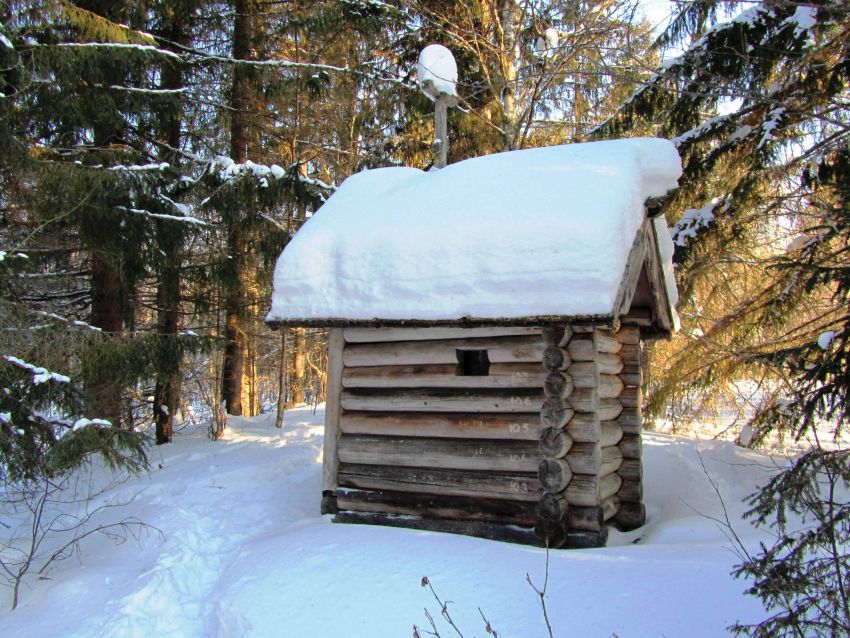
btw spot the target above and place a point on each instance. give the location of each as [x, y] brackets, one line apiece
[486, 322]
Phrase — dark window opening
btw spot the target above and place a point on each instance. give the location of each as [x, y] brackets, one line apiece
[472, 363]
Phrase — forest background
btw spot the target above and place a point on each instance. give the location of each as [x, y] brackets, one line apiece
[156, 157]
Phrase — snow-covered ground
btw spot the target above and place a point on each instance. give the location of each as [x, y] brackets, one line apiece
[245, 552]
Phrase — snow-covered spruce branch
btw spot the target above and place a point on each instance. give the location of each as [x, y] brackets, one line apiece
[39, 374]
[175, 218]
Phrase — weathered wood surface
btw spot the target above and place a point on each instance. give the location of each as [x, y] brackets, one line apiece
[514, 400]
[655, 271]
[610, 386]
[527, 349]
[554, 474]
[606, 341]
[549, 533]
[500, 375]
[630, 516]
[630, 420]
[520, 427]
[558, 384]
[590, 458]
[584, 373]
[556, 413]
[491, 531]
[511, 486]
[609, 409]
[436, 506]
[552, 507]
[584, 400]
[612, 433]
[378, 335]
[629, 335]
[610, 506]
[460, 454]
[631, 446]
[583, 539]
[557, 335]
[631, 470]
[630, 354]
[582, 348]
[555, 443]
[631, 491]
[632, 271]
[584, 427]
[555, 358]
[632, 378]
[330, 459]
[591, 490]
[630, 397]
[584, 518]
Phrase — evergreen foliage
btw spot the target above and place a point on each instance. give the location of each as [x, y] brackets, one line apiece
[803, 578]
[757, 107]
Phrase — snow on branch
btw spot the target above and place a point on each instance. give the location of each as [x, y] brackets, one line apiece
[693, 220]
[176, 218]
[39, 374]
[73, 322]
[118, 46]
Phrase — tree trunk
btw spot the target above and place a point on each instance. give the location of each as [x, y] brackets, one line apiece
[168, 377]
[300, 369]
[234, 350]
[106, 314]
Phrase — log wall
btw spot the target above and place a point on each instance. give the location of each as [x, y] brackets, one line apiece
[543, 448]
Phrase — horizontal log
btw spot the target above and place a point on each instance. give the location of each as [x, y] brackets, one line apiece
[585, 373]
[555, 358]
[555, 443]
[552, 507]
[630, 420]
[459, 454]
[558, 384]
[558, 336]
[590, 458]
[629, 335]
[635, 379]
[630, 516]
[480, 529]
[443, 400]
[609, 409]
[630, 397]
[516, 486]
[584, 399]
[521, 427]
[610, 506]
[607, 341]
[590, 490]
[436, 506]
[630, 354]
[556, 413]
[526, 349]
[631, 470]
[549, 533]
[631, 491]
[631, 446]
[554, 475]
[612, 458]
[584, 328]
[375, 335]
[612, 433]
[500, 375]
[584, 518]
[610, 386]
[584, 540]
[581, 348]
[584, 427]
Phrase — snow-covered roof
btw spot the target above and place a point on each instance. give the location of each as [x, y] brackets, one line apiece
[542, 232]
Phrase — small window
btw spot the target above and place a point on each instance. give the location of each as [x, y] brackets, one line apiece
[472, 363]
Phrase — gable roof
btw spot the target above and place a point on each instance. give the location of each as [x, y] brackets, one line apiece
[538, 233]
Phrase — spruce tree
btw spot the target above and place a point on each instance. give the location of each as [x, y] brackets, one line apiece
[756, 105]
